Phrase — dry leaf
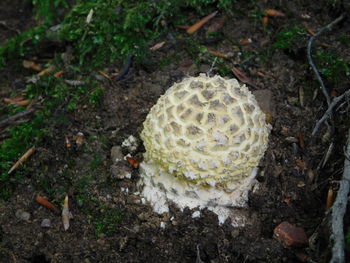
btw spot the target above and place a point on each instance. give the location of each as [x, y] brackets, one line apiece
[301, 184]
[31, 65]
[274, 13]
[79, 139]
[265, 20]
[218, 54]
[183, 27]
[330, 198]
[105, 74]
[200, 23]
[41, 200]
[310, 31]
[66, 214]
[242, 77]
[67, 141]
[18, 100]
[287, 200]
[157, 46]
[22, 159]
[46, 71]
[246, 41]
[133, 162]
[301, 141]
[58, 74]
[89, 16]
[302, 165]
[311, 175]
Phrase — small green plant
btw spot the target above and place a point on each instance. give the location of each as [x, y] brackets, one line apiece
[23, 44]
[46, 10]
[96, 162]
[331, 66]
[344, 39]
[107, 220]
[287, 38]
[96, 96]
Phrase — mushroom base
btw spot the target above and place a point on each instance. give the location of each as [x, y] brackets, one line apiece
[160, 188]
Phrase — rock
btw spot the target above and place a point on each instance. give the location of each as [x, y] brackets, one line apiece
[117, 154]
[290, 235]
[120, 172]
[23, 215]
[196, 214]
[46, 223]
[265, 101]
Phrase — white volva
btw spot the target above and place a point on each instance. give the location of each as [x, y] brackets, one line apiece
[204, 139]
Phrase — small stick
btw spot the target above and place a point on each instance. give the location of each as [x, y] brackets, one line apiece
[339, 210]
[15, 117]
[212, 66]
[125, 69]
[22, 159]
[328, 113]
[200, 23]
[309, 55]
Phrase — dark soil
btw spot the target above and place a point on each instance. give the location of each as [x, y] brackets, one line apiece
[291, 187]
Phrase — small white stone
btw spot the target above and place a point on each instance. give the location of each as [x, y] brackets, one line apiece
[196, 214]
[162, 225]
[23, 215]
[46, 223]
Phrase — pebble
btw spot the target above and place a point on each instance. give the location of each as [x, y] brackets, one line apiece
[196, 214]
[46, 223]
[265, 101]
[290, 235]
[23, 215]
[117, 154]
[162, 225]
[118, 172]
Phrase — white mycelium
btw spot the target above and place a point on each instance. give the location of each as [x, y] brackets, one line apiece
[204, 139]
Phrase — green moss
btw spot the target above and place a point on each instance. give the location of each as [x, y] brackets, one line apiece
[49, 11]
[287, 38]
[107, 220]
[23, 44]
[331, 66]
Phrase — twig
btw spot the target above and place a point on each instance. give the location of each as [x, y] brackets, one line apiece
[309, 55]
[22, 159]
[338, 212]
[198, 259]
[327, 114]
[212, 66]
[15, 117]
[125, 69]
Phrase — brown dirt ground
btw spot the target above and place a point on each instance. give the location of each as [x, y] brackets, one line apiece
[292, 189]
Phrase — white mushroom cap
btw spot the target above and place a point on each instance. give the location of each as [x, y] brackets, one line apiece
[204, 134]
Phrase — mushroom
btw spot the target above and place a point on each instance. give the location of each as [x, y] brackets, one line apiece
[204, 139]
